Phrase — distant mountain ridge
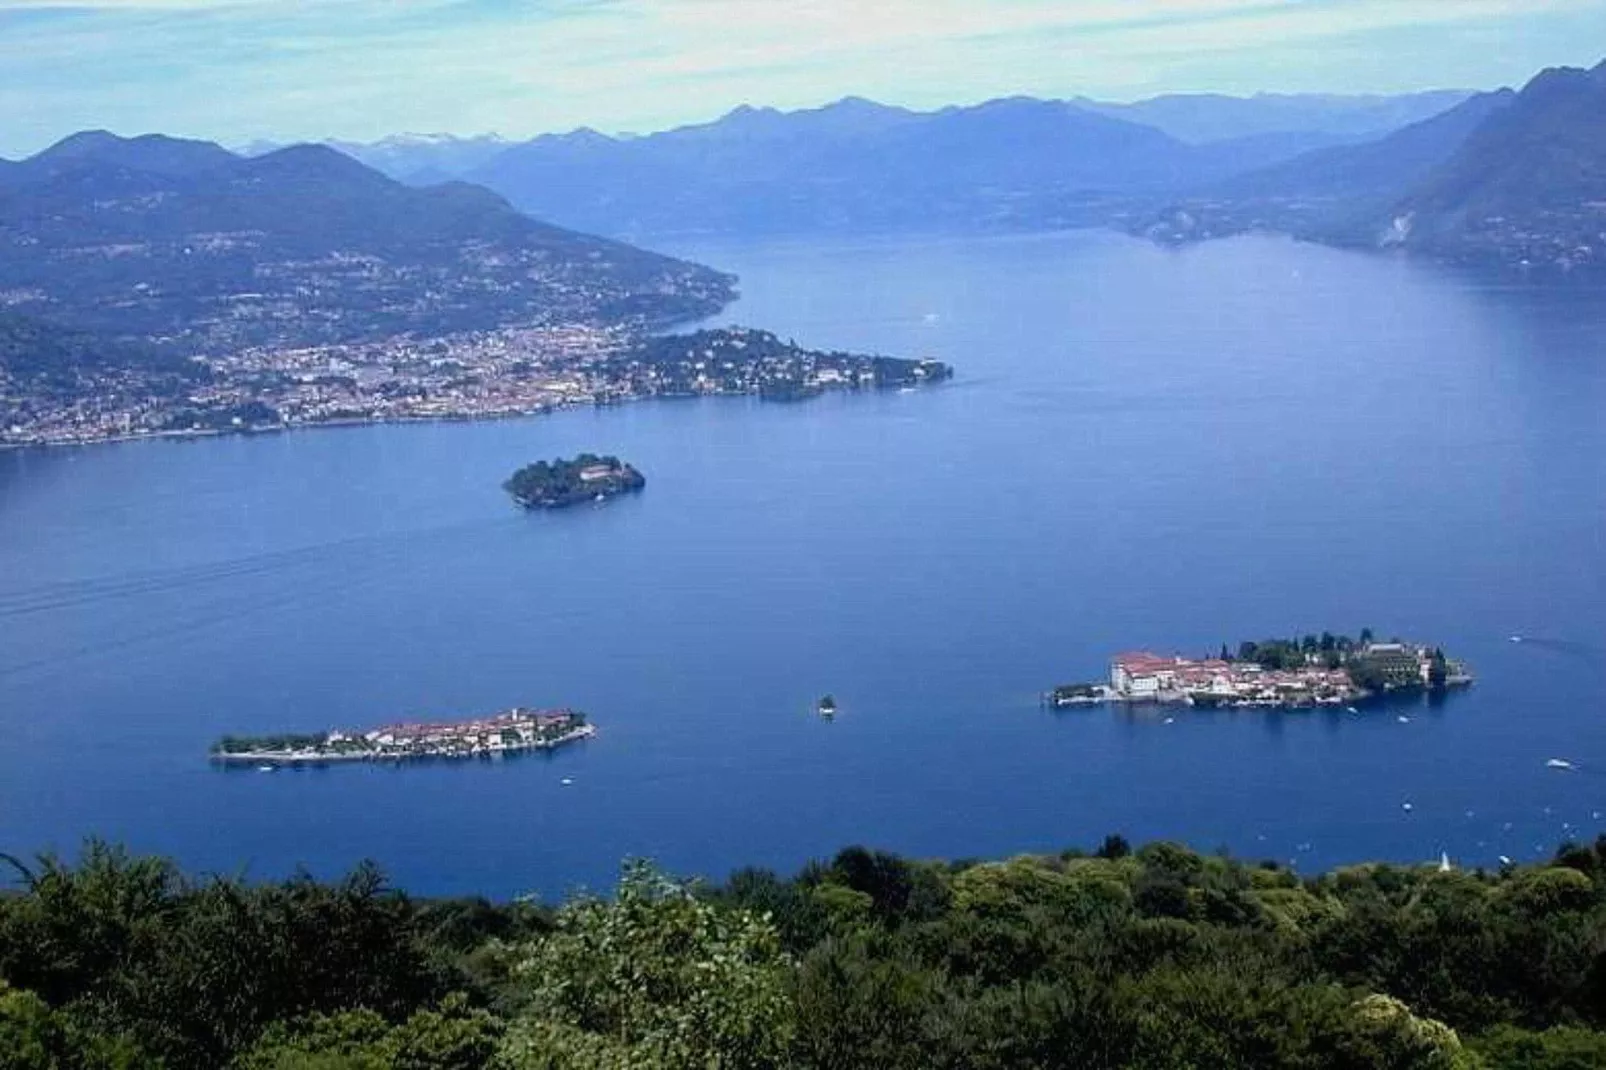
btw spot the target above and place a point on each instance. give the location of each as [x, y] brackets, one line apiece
[1289, 120]
[190, 246]
[1513, 179]
[1199, 118]
[857, 165]
[1328, 193]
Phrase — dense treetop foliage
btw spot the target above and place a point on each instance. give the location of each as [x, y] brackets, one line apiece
[564, 482]
[1154, 959]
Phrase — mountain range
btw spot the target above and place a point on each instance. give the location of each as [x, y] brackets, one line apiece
[1297, 121]
[188, 246]
[417, 159]
[1356, 170]
[857, 165]
[1526, 187]
[1205, 117]
[177, 246]
[1509, 179]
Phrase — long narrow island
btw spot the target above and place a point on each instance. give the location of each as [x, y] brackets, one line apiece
[509, 732]
[562, 483]
[1301, 673]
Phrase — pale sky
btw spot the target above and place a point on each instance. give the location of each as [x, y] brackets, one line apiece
[239, 70]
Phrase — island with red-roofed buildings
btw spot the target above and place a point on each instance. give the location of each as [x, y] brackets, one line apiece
[1324, 670]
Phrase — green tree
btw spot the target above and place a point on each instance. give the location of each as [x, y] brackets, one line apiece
[655, 978]
[451, 1037]
[35, 1037]
[1565, 1048]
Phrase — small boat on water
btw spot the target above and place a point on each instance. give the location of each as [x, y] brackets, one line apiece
[1403, 719]
[566, 781]
[266, 768]
[826, 707]
[1516, 639]
[1559, 763]
[1407, 807]
[1351, 709]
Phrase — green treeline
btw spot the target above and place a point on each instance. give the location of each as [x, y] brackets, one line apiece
[1158, 959]
[1327, 649]
[284, 742]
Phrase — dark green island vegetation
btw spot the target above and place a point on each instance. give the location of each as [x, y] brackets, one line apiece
[561, 483]
[1151, 959]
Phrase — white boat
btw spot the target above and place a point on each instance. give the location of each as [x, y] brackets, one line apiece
[1403, 719]
[566, 781]
[1505, 860]
[1351, 709]
[266, 768]
[1559, 763]
[1407, 807]
[1516, 638]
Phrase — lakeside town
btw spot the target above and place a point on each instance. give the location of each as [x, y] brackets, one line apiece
[477, 375]
[1315, 671]
[509, 732]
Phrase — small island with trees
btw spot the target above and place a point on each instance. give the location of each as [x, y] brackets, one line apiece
[562, 483]
[1298, 673]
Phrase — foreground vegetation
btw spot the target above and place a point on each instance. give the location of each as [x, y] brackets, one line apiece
[1161, 958]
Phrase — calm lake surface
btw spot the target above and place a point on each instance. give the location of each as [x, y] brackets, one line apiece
[1142, 448]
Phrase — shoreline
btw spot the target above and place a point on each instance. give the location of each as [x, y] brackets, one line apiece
[185, 435]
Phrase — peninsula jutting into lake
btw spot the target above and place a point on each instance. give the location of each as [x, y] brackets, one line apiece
[561, 483]
[1325, 670]
[509, 732]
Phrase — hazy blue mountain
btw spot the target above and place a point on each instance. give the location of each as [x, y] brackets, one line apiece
[1384, 167]
[859, 165]
[1513, 179]
[154, 153]
[185, 243]
[1333, 192]
[1205, 117]
[1527, 187]
[420, 159]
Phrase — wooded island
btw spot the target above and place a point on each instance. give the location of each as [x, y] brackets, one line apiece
[560, 483]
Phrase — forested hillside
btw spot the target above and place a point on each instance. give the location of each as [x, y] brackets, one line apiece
[1161, 958]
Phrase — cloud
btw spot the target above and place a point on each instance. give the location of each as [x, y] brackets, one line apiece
[303, 68]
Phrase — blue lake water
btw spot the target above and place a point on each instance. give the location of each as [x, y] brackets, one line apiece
[1142, 448]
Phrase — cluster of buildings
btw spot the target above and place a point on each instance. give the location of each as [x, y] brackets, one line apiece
[482, 374]
[478, 375]
[1145, 677]
[515, 729]
[508, 732]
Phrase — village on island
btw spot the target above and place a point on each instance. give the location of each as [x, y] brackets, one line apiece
[509, 732]
[1306, 673]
